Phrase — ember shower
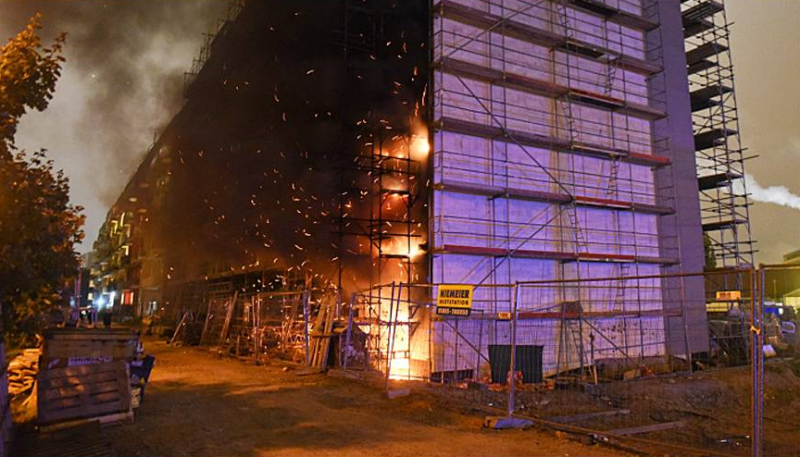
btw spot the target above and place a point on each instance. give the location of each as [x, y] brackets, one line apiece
[351, 143]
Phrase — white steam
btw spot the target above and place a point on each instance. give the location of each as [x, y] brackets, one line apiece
[778, 195]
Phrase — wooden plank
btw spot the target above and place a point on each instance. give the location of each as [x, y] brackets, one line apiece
[587, 416]
[72, 402]
[646, 428]
[84, 391]
[100, 420]
[46, 417]
[79, 370]
[92, 336]
[228, 316]
[80, 389]
[78, 379]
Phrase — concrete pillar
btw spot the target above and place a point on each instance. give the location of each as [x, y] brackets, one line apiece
[686, 224]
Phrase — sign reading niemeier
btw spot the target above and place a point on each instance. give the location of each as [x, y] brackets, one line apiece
[454, 300]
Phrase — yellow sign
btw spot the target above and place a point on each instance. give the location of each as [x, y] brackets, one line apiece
[454, 300]
[729, 295]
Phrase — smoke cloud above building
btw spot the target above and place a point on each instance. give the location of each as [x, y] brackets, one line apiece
[121, 83]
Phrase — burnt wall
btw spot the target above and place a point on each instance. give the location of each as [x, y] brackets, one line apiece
[290, 93]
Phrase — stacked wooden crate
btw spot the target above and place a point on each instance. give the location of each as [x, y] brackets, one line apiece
[65, 347]
[100, 391]
[84, 374]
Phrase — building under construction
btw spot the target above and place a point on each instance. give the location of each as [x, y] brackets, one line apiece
[355, 145]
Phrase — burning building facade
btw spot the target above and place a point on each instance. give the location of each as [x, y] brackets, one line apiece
[351, 144]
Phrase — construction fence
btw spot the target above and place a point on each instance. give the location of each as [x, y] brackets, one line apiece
[289, 325]
[630, 356]
[649, 359]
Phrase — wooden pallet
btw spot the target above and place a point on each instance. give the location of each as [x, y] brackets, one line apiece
[65, 346]
[85, 391]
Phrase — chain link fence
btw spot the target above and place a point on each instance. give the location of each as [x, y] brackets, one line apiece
[648, 358]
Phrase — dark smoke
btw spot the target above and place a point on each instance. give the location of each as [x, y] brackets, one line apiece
[122, 82]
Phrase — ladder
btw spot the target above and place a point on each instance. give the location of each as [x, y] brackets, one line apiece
[612, 189]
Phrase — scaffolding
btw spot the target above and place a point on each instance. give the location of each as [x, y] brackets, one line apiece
[380, 197]
[545, 109]
[232, 10]
[720, 156]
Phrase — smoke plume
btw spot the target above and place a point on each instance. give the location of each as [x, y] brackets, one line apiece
[778, 195]
[121, 83]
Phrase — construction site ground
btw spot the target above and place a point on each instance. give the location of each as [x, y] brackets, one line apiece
[199, 404]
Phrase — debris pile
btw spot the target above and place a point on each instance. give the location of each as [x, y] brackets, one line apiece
[22, 372]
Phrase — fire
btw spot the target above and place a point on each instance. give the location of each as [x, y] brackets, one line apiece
[401, 368]
[400, 355]
[401, 248]
[420, 143]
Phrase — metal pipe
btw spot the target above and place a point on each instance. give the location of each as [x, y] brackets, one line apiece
[390, 339]
[512, 363]
[758, 367]
[349, 329]
[305, 326]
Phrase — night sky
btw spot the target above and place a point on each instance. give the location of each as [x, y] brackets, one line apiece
[124, 75]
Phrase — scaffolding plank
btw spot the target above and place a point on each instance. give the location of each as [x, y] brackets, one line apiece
[489, 131]
[606, 257]
[497, 77]
[602, 202]
[657, 260]
[701, 11]
[495, 191]
[697, 27]
[549, 255]
[596, 6]
[615, 15]
[513, 28]
[584, 49]
[557, 315]
[717, 180]
[648, 159]
[549, 197]
[708, 96]
[721, 225]
[482, 19]
[616, 104]
[711, 138]
[529, 139]
[710, 91]
[545, 88]
[704, 51]
[704, 64]
[652, 209]
[500, 252]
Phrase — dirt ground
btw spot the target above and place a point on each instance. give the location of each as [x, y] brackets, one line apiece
[198, 404]
[714, 408]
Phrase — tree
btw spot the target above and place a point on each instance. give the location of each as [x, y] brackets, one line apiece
[38, 225]
[28, 75]
[711, 259]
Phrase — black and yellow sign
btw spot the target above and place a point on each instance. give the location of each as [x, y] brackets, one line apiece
[454, 300]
